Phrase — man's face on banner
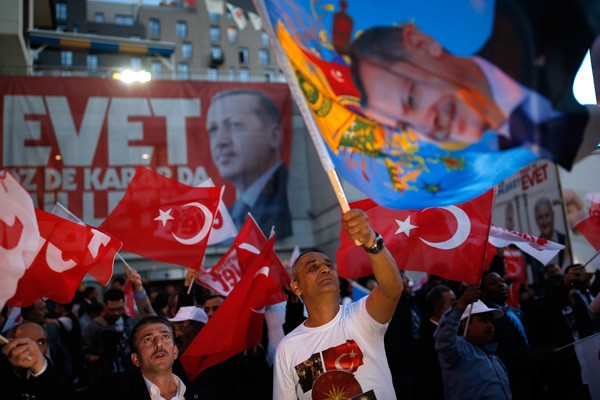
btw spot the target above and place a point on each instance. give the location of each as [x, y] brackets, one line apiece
[544, 218]
[242, 145]
[407, 95]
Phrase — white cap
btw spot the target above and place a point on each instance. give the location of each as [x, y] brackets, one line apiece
[479, 307]
[190, 313]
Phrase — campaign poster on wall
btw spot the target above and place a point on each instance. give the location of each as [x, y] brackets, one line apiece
[78, 141]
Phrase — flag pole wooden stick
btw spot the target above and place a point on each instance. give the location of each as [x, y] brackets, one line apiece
[307, 115]
[575, 342]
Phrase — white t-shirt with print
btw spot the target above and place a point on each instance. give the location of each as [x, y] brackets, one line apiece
[345, 355]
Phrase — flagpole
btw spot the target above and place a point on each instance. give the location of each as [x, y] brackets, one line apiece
[312, 127]
[575, 342]
[591, 259]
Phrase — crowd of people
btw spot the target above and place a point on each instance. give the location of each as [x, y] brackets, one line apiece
[444, 340]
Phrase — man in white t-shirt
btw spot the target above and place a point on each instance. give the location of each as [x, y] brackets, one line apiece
[339, 349]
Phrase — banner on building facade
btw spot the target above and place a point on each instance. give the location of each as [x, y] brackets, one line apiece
[78, 141]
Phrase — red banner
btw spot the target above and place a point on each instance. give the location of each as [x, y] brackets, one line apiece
[79, 140]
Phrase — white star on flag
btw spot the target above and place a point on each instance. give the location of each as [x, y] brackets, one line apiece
[405, 226]
[164, 216]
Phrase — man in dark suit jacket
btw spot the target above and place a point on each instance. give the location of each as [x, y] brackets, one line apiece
[519, 88]
[245, 132]
[152, 343]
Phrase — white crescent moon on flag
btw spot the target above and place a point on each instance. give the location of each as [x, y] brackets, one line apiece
[249, 247]
[263, 271]
[463, 230]
[55, 260]
[205, 228]
[337, 363]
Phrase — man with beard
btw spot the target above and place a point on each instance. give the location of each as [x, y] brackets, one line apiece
[105, 349]
[153, 352]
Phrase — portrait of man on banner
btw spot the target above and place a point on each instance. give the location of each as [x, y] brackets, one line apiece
[246, 133]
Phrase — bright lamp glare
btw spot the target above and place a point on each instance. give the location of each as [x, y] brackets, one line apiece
[129, 76]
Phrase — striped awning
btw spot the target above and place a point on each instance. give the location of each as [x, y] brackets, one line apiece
[98, 43]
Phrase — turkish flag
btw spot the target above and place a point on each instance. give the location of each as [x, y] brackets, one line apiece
[237, 324]
[223, 226]
[345, 357]
[590, 227]
[222, 277]
[164, 220]
[515, 266]
[446, 241]
[129, 299]
[67, 252]
[19, 234]
[248, 243]
[539, 248]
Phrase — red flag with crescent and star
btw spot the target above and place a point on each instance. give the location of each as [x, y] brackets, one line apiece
[164, 220]
[447, 241]
[66, 254]
[237, 324]
[590, 226]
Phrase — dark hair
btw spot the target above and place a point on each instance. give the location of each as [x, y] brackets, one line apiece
[484, 275]
[152, 319]
[433, 298]
[113, 295]
[303, 253]
[382, 45]
[497, 265]
[214, 296]
[266, 110]
[88, 290]
[572, 266]
[119, 279]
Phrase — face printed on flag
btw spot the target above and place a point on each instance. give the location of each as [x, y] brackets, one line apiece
[19, 234]
[447, 241]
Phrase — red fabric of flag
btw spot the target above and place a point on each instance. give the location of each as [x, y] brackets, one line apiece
[129, 299]
[67, 253]
[590, 229]
[164, 220]
[447, 241]
[248, 243]
[237, 324]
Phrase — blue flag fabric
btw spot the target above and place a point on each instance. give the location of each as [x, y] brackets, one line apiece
[425, 123]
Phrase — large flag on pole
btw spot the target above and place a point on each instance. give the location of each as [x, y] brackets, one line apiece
[67, 253]
[19, 234]
[164, 220]
[446, 241]
[413, 138]
[237, 324]
[223, 226]
[590, 226]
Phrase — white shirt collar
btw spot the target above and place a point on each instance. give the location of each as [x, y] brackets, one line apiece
[155, 391]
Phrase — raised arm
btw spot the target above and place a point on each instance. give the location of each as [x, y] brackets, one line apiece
[382, 301]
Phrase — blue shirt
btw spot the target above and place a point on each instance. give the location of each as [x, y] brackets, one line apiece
[468, 371]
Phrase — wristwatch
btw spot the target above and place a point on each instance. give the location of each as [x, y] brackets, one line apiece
[377, 247]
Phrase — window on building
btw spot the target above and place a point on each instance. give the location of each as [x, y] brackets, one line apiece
[135, 37]
[99, 17]
[156, 68]
[232, 74]
[232, 34]
[66, 58]
[213, 74]
[269, 75]
[183, 70]
[122, 19]
[243, 55]
[61, 11]
[264, 38]
[136, 63]
[92, 62]
[186, 50]
[244, 74]
[61, 28]
[154, 27]
[229, 15]
[213, 17]
[182, 29]
[215, 33]
[216, 52]
[264, 57]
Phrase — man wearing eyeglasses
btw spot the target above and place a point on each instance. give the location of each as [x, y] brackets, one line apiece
[26, 372]
[153, 348]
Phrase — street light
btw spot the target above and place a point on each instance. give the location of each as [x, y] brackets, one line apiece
[129, 76]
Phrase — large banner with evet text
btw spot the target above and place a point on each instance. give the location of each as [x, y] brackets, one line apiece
[78, 141]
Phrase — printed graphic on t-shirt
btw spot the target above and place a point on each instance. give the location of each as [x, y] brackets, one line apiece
[330, 373]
